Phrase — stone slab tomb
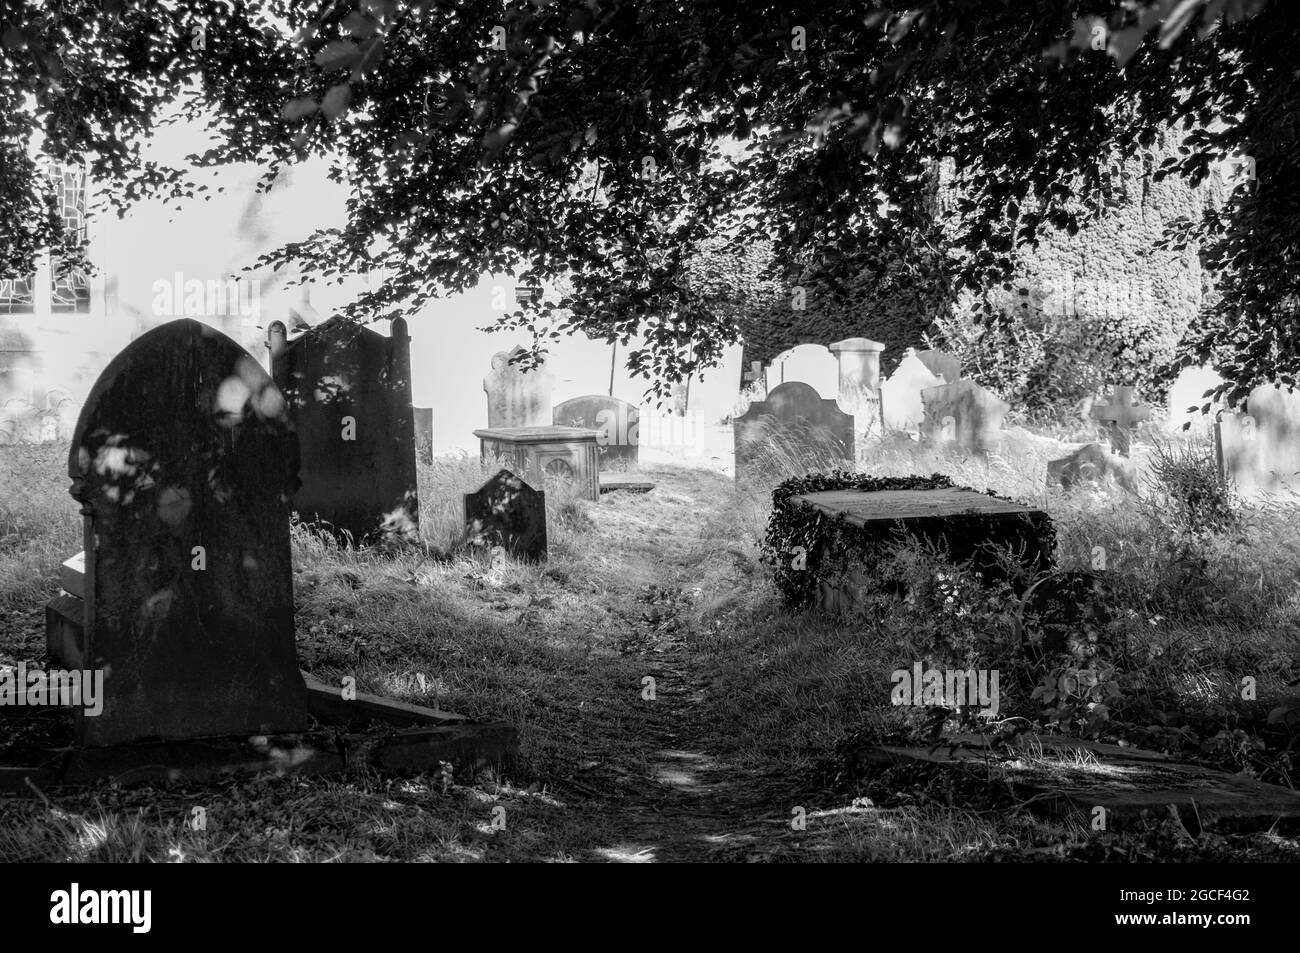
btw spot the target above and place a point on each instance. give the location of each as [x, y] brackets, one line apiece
[565, 453]
[1259, 450]
[934, 514]
[963, 415]
[349, 401]
[184, 463]
[518, 397]
[616, 422]
[795, 424]
[509, 513]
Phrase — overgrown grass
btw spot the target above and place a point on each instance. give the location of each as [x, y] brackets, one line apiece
[669, 585]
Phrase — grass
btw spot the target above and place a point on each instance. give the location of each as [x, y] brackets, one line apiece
[756, 710]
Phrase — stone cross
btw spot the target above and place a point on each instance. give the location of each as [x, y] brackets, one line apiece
[1121, 414]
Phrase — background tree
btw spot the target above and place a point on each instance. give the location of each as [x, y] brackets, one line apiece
[589, 138]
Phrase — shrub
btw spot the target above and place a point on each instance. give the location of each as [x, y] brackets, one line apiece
[1189, 488]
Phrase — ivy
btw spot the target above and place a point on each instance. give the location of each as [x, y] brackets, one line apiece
[805, 546]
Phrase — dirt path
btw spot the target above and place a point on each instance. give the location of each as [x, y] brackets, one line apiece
[686, 801]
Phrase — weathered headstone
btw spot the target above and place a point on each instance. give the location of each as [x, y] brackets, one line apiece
[349, 399]
[1188, 401]
[184, 464]
[1260, 449]
[517, 397]
[962, 415]
[900, 395]
[616, 422]
[507, 512]
[794, 424]
[941, 364]
[1120, 413]
[1091, 463]
[859, 387]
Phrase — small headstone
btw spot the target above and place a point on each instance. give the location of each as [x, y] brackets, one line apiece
[1120, 413]
[1188, 400]
[794, 424]
[941, 364]
[963, 415]
[1091, 463]
[616, 422]
[349, 398]
[517, 397]
[509, 513]
[900, 395]
[1260, 449]
[183, 462]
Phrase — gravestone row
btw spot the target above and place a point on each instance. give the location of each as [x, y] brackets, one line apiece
[184, 463]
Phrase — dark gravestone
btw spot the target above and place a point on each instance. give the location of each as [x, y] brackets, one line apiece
[793, 425]
[349, 394]
[507, 512]
[616, 422]
[184, 463]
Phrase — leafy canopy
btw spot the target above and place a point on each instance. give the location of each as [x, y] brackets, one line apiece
[605, 142]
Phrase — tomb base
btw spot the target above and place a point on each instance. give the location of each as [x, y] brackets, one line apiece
[354, 734]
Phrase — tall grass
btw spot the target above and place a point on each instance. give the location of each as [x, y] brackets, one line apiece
[40, 523]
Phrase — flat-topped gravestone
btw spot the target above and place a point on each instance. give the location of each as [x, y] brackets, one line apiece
[616, 422]
[1120, 413]
[349, 400]
[900, 395]
[507, 512]
[1072, 777]
[966, 523]
[794, 423]
[963, 415]
[518, 397]
[565, 453]
[1259, 450]
[859, 507]
[184, 464]
[941, 364]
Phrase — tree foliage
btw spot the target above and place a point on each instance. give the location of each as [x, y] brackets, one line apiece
[589, 139]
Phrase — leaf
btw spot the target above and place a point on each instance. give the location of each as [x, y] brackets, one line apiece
[297, 108]
[338, 54]
[337, 100]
